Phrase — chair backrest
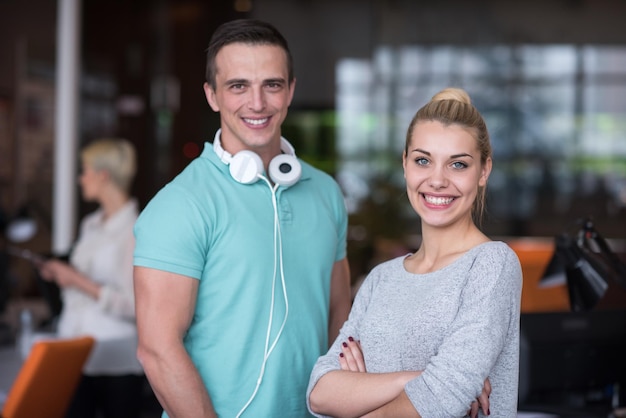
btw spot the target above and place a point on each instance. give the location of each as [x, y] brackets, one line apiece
[48, 378]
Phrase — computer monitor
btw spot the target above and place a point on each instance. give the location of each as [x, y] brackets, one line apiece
[572, 360]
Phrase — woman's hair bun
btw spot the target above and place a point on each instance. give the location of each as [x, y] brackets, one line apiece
[452, 93]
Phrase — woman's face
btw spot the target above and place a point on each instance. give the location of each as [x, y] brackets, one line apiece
[91, 182]
[443, 171]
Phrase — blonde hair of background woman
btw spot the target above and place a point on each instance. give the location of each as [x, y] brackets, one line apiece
[116, 156]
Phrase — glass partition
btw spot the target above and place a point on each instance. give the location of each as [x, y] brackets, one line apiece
[556, 115]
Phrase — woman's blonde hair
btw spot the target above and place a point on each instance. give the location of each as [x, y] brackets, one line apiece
[454, 106]
[115, 156]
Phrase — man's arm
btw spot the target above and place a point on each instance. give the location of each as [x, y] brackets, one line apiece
[340, 298]
[165, 304]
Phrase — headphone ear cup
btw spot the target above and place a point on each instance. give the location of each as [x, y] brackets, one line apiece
[285, 170]
[245, 167]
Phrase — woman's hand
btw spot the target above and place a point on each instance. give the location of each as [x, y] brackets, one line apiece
[351, 359]
[351, 356]
[482, 402]
[65, 275]
[59, 272]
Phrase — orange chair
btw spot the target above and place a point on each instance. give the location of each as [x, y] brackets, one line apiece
[48, 378]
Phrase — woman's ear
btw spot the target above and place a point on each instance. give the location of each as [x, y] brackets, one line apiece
[404, 162]
[104, 174]
[486, 170]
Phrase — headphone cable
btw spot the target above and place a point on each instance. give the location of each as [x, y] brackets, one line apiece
[277, 242]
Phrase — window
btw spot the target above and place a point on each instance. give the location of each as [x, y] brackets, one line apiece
[556, 115]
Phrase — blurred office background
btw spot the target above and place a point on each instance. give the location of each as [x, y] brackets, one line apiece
[549, 76]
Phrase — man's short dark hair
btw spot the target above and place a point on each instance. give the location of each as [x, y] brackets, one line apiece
[246, 31]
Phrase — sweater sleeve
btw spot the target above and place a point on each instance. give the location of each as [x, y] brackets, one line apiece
[484, 323]
[330, 361]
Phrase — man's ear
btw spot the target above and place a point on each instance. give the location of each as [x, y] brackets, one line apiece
[292, 89]
[209, 93]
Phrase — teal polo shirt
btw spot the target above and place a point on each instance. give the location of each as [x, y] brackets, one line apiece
[207, 226]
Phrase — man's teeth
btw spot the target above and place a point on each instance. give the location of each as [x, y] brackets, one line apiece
[256, 121]
[438, 200]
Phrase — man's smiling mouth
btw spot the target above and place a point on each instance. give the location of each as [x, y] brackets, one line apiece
[256, 121]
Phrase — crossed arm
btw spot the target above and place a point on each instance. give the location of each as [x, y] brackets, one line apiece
[352, 392]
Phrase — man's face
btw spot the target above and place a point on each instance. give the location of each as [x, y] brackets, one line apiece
[253, 95]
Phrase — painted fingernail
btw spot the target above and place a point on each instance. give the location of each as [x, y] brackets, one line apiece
[345, 344]
[340, 354]
[488, 411]
[350, 338]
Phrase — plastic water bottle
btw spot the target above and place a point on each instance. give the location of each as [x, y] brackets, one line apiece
[25, 338]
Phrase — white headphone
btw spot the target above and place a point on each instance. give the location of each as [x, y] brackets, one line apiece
[246, 166]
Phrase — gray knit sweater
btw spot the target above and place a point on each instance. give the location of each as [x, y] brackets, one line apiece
[459, 324]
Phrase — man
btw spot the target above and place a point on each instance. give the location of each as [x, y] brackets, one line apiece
[241, 275]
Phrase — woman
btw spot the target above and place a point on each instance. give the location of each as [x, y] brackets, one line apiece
[97, 285]
[427, 329]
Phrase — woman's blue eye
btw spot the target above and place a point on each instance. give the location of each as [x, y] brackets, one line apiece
[459, 164]
[421, 161]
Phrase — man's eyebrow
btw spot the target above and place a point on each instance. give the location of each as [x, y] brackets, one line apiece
[279, 80]
[236, 81]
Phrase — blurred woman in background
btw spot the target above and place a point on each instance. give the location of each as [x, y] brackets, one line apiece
[97, 285]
